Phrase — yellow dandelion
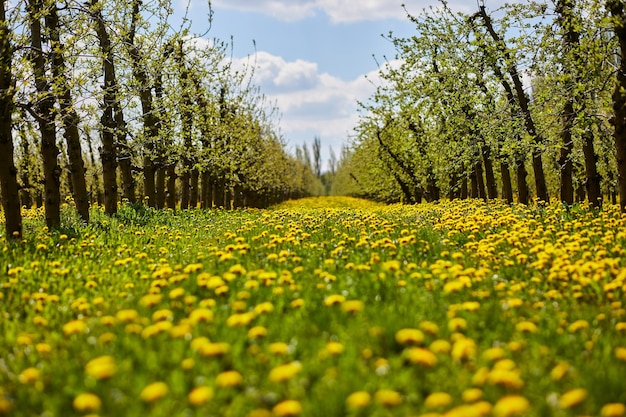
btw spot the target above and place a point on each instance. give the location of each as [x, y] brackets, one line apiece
[510, 405]
[429, 327]
[228, 379]
[352, 306]
[526, 327]
[438, 400]
[572, 397]
[559, 371]
[334, 348]
[213, 349]
[239, 320]
[263, 308]
[471, 395]
[506, 378]
[463, 349]
[620, 353]
[409, 336]
[285, 372]
[387, 397]
[154, 391]
[358, 399]
[102, 367]
[29, 375]
[74, 327]
[278, 348]
[494, 353]
[86, 402]
[127, 315]
[297, 303]
[199, 396]
[440, 346]
[613, 410]
[420, 356]
[457, 323]
[257, 332]
[334, 299]
[287, 408]
[578, 325]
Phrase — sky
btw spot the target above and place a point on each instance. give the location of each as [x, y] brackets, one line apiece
[315, 59]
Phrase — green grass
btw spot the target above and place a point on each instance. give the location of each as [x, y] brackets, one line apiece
[465, 273]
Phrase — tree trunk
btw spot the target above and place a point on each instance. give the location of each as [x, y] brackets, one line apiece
[44, 114]
[480, 182]
[492, 188]
[522, 185]
[171, 186]
[193, 192]
[507, 187]
[592, 177]
[108, 152]
[160, 195]
[616, 7]
[69, 115]
[206, 191]
[8, 172]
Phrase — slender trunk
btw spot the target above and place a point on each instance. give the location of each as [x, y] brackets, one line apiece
[473, 183]
[8, 172]
[492, 188]
[160, 195]
[193, 192]
[507, 186]
[480, 182]
[565, 160]
[108, 126]
[592, 177]
[171, 186]
[44, 114]
[616, 7]
[96, 192]
[69, 115]
[522, 185]
[206, 192]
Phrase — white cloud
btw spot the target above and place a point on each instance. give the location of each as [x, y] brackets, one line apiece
[342, 11]
[312, 103]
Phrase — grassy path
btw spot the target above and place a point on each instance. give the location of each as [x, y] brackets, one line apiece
[318, 307]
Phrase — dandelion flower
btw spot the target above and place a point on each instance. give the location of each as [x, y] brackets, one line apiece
[572, 397]
[86, 402]
[257, 332]
[510, 405]
[438, 400]
[613, 410]
[74, 327]
[420, 356]
[471, 395]
[102, 367]
[620, 353]
[285, 372]
[228, 379]
[287, 408]
[409, 336]
[352, 306]
[387, 397]
[334, 348]
[29, 375]
[200, 395]
[154, 391]
[278, 348]
[358, 399]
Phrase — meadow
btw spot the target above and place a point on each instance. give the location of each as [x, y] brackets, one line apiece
[318, 307]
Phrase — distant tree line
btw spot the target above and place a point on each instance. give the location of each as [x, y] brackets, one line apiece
[104, 101]
[527, 101]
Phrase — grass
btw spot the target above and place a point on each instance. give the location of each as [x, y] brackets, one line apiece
[317, 307]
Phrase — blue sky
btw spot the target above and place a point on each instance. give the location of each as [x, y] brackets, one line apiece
[313, 56]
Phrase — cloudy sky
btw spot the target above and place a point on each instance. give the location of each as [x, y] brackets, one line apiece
[313, 56]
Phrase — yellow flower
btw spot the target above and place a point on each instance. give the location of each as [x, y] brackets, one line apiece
[493, 354]
[242, 320]
[334, 348]
[265, 307]
[358, 399]
[613, 410]
[409, 336]
[127, 316]
[200, 395]
[257, 332]
[278, 348]
[102, 367]
[558, 372]
[438, 400]
[388, 397]
[440, 346]
[228, 379]
[526, 327]
[74, 327]
[154, 391]
[620, 353]
[213, 349]
[510, 405]
[297, 303]
[285, 372]
[463, 348]
[334, 299]
[29, 375]
[506, 378]
[456, 324]
[420, 356]
[287, 408]
[471, 395]
[86, 402]
[578, 325]
[429, 327]
[201, 315]
[352, 306]
[572, 397]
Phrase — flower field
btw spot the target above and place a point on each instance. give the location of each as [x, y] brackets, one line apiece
[318, 307]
